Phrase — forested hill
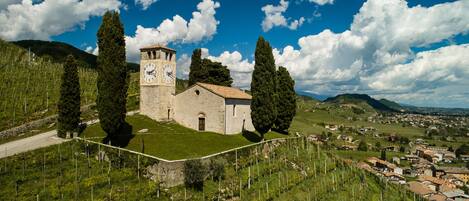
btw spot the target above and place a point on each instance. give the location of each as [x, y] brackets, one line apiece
[57, 52]
[360, 98]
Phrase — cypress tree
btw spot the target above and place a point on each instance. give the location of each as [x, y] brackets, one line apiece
[69, 101]
[286, 99]
[113, 77]
[197, 72]
[263, 111]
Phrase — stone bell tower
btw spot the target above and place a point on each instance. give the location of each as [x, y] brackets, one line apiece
[157, 82]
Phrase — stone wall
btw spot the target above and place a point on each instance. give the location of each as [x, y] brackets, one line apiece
[190, 105]
[238, 111]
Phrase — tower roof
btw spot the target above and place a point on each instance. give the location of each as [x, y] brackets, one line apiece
[156, 47]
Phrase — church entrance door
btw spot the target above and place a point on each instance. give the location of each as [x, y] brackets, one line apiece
[201, 123]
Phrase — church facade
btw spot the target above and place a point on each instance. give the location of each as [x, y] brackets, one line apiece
[202, 107]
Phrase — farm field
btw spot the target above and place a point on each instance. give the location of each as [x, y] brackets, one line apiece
[171, 141]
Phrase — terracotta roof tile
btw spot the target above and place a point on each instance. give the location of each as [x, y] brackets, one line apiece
[419, 188]
[226, 92]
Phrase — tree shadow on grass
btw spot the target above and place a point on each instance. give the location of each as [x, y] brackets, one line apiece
[122, 137]
[283, 132]
[251, 136]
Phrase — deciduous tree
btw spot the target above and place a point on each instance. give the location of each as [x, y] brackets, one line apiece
[217, 73]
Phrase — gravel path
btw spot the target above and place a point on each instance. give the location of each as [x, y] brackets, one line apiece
[30, 143]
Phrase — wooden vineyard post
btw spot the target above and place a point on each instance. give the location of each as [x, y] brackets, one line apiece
[240, 188]
[43, 171]
[236, 160]
[279, 184]
[138, 167]
[249, 177]
[218, 189]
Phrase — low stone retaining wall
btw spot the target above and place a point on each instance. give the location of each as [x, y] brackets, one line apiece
[170, 173]
[28, 126]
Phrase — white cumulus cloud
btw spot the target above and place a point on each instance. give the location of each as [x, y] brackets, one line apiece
[322, 2]
[202, 25]
[25, 20]
[145, 3]
[375, 55]
[379, 44]
[274, 17]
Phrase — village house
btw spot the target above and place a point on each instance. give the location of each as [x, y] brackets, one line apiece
[460, 173]
[346, 138]
[420, 189]
[384, 166]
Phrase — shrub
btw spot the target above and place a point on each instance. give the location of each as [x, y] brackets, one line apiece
[217, 168]
[362, 146]
[194, 174]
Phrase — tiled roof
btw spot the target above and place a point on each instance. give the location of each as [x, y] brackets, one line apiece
[437, 197]
[419, 188]
[432, 179]
[226, 92]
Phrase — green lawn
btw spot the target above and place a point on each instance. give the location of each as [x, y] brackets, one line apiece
[173, 141]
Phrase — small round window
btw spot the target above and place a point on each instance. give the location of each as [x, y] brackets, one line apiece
[197, 92]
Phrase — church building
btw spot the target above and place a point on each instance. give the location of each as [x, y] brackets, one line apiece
[202, 107]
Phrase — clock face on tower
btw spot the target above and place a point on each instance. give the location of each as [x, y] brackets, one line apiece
[149, 72]
[168, 74]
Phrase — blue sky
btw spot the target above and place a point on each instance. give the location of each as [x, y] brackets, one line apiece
[413, 51]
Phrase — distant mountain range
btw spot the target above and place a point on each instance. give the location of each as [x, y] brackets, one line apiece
[58, 51]
[313, 95]
[384, 105]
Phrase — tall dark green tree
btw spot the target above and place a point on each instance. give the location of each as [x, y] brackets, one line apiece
[197, 73]
[113, 77]
[69, 101]
[383, 155]
[217, 73]
[263, 111]
[286, 99]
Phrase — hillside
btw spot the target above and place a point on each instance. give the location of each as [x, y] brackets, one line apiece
[30, 90]
[57, 52]
[392, 104]
[291, 171]
[359, 99]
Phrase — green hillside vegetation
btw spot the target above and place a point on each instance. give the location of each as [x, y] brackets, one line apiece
[30, 89]
[57, 52]
[357, 99]
[391, 104]
[291, 172]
